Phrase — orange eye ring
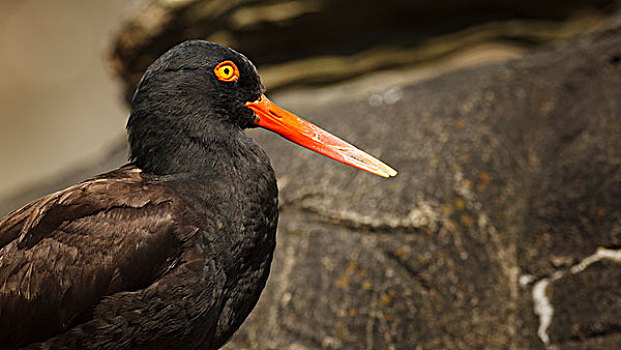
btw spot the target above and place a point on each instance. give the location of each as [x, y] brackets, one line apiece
[226, 71]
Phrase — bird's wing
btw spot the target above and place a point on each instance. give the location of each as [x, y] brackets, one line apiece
[61, 254]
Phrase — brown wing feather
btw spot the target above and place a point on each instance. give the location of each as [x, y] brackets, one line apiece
[62, 253]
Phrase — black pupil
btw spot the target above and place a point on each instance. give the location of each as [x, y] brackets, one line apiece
[226, 71]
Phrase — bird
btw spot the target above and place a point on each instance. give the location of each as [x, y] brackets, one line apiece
[172, 249]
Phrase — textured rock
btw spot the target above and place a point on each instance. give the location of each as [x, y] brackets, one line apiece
[318, 41]
[587, 307]
[508, 174]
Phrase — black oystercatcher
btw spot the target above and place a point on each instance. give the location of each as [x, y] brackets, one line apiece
[172, 250]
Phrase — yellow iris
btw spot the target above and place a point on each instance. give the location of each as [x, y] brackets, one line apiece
[226, 71]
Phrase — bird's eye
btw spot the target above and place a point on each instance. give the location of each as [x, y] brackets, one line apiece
[226, 71]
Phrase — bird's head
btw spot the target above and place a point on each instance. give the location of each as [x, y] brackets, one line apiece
[202, 81]
[199, 88]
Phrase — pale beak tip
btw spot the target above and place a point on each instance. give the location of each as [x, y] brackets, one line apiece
[386, 173]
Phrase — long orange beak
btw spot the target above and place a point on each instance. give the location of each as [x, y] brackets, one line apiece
[310, 136]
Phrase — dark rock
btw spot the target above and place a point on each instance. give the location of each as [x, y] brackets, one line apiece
[505, 172]
[587, 308]
[340, 39]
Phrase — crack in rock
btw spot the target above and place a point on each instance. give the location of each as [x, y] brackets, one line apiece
[422, 216]
[542, 305]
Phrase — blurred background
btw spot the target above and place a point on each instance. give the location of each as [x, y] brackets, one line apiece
[61, 104]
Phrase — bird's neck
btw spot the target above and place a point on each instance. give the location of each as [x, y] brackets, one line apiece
[211, 150]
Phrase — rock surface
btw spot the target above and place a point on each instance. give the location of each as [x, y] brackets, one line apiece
[317, 41]
[501, 231]
[509, 177]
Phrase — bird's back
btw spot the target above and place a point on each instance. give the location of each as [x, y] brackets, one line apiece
[131, 260]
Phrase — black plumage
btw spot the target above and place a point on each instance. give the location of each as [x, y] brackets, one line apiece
[173, 249]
